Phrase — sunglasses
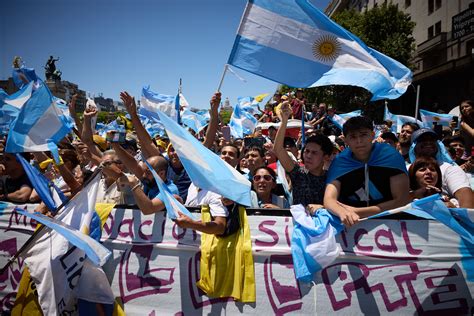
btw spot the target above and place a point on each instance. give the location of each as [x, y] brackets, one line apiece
[266, 177]
[109, 162]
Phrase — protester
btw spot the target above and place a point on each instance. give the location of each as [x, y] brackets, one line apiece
[15, 186]
[264, 184]
[467, 122]
[404, 139]
[327, 126]
[454, 180]
[255, 158]
[298, 104]
[389, 138]
[365, 178]
[308, 181]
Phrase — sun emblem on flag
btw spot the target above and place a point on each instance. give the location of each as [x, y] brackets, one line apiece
[436, 118]
[326, 48]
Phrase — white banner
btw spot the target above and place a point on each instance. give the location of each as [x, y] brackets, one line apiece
[386, 267]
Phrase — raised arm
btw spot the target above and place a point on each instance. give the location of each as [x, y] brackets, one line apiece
[72, 112]
[87, 131]
[214, 120]
[280, 151]
[128, 160]
[146, 142]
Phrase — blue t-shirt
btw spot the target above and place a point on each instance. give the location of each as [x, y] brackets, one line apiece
[154, 192]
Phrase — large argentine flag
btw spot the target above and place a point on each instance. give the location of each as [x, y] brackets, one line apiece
[292, 42]
[206, 170]
[40, 125]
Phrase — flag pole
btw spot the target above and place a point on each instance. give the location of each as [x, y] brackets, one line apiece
[40, 229]
[222, 78]
[177, 103]
[418, 88]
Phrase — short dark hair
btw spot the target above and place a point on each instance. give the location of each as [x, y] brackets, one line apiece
[255, 148]
[233, 146]
[323, 141]
[414, 126]
[456, 138]
[357, 123]
[289, 141]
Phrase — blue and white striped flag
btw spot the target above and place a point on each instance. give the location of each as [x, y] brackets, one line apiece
[429, 118]
[249, 104]
[292, 42]
[151, 102]
[398, 120]
[242, 122]
[340, 119]
[10, 105]
[40, 125]
[193, 120]
[172, 205]
[206, 170]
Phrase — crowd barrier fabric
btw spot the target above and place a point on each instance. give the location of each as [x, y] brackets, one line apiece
[386, 266]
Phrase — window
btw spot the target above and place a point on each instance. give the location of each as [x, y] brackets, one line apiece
[437, 28]
[437, 4]
[430, 32]
[430, 6]
[407, 3]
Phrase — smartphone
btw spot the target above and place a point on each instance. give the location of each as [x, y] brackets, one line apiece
[438, 129]
[226, 133]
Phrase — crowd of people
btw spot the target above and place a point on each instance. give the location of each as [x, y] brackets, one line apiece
[350, 172]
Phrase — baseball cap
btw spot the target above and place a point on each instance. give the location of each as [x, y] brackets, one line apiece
[422, 131]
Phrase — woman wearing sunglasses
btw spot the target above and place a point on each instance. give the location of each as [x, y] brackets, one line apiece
[264, 183]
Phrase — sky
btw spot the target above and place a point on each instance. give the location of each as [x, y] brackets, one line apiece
[108, 46]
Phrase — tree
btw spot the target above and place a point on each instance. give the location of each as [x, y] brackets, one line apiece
[384, 28]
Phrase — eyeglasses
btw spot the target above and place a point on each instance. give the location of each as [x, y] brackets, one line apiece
[109, 162]
[266, 177]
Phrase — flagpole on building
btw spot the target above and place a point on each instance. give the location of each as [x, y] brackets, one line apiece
[418, 87]
[222, 78]
[32, 238]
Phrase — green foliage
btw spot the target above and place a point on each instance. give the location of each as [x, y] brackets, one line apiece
[384, 28]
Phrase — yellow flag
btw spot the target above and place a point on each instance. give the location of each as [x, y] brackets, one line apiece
[128, 124]
[26, 302]
[227, 267]
[260, 97]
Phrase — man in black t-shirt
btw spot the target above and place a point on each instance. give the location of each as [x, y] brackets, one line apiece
[365, 178]
[15, 186]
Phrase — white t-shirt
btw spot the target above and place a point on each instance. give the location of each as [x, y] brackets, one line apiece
[197, 197]
[454, 178]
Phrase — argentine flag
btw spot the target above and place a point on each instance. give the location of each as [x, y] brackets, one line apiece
[399, 120]
[40, 125]
[151, 102]
[242, 121]
[292, 42]
[193, 120]
[340, 119]
[206, 170]
[429, 118]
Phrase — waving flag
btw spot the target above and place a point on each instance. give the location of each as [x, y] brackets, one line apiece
[313, 242]
[54, 263]
[429, 118]
[10, 105]
[340, 119]
[40, 125]
[172, 205]
[398, 120]
[314, 50]
[207, 170]
[18, 73]
[151, 102]
[193, 120]
[242, 122]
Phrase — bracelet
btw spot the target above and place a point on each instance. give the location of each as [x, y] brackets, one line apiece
[136, 186]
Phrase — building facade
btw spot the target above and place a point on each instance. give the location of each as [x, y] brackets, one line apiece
[444, 57]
